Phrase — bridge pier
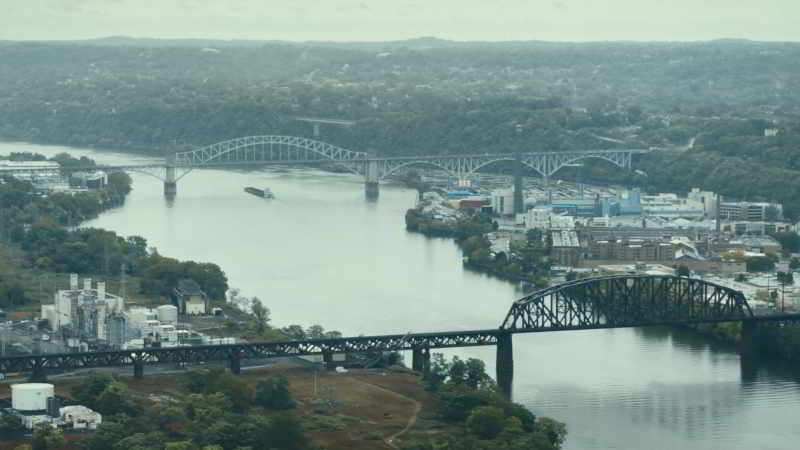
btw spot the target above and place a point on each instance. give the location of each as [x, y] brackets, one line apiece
[748, 342]
[138, 370]
[519, 198]
[170, 182]
[327, 358]
[421, 360]
[371, 180]
[170, 188]
[38, 374]
[505, 364]
[236, 364]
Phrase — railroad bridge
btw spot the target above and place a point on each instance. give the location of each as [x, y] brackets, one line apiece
[293, 150]
[591, 303]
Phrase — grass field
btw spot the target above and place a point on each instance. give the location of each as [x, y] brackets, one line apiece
[368, 406]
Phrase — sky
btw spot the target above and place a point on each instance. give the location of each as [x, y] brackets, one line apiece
[382, 20]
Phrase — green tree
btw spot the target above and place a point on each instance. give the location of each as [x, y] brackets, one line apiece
[261, 315]
[45, 437]
[555, 431]
[273, 393]
[682, 271]
[117, 399]
[486, 421]
[789, 240]
[10, 425]
[88, 391]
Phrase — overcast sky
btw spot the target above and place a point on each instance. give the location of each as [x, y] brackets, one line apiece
[377, 20]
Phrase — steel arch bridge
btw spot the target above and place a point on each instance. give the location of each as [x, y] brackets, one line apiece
[293, 150]
[265, 149]
[545, 163]
[626, 301]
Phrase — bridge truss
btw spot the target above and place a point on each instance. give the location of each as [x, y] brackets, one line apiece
[196, 354]
[545, 163]
[625, 301]
[292, 150]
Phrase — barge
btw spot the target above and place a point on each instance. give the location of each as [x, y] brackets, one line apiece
[263, 193]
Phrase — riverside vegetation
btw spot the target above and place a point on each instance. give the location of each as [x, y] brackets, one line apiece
[270, 409]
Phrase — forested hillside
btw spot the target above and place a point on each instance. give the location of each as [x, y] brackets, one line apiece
[429, 96]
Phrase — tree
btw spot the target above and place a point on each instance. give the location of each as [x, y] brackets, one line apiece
[10, 425]
[116, 399]
[760, 264]
[785, 278]
[682, 271]
[87, 392]
[789, 240]
[486, 421]
[273, 393]
[261, 315]
[45, 437]
[555, 431]
[794, 263]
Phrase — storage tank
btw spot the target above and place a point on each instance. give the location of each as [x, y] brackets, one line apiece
[30, 396]
[167, 314]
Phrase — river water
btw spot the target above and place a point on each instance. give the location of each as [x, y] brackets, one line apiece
[320, 253]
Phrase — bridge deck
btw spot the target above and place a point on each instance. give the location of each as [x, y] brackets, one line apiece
[378, 343]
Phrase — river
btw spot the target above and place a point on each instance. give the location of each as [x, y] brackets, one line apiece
[320, 253]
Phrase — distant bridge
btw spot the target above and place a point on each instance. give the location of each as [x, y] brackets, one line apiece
[592, 303]
[293, 150]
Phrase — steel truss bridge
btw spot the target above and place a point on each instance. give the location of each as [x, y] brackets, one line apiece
[293, 150]
[592, 303]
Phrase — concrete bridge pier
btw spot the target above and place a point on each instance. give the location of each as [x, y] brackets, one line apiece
[138, 370]
[519, 198]
[38, 374]
[748, 343]
[421, 360]
[170, 183]
[236, 364]
[371, 180]
[327, 358]
[505, 364]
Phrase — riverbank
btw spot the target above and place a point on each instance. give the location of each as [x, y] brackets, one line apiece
[525, 259]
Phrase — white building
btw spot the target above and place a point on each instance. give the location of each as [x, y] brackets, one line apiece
[538, 218]
[503, 202]
[79, 417]
[707, 198]
[670, 205]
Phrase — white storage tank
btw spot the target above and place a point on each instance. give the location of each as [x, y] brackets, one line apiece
[168, 314]
[30, 396]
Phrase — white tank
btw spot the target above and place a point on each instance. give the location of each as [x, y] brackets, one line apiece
[30, 396]
[167, 314]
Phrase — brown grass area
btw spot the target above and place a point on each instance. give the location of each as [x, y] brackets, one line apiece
[369, 405]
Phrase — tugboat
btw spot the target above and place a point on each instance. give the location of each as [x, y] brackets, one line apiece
[263, 193]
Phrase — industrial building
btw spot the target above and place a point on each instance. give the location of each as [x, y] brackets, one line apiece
[189, 298]
[35, 403]
[751, 211]
[632, 250]
[84, 312]
[89, 180]
[566, 249]
[90, 316]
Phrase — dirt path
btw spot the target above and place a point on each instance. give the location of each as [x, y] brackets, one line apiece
[411, 420]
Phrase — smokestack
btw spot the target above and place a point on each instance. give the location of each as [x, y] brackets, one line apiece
[73, 281]
[87, 284]
[719, 200]
[101, 290]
